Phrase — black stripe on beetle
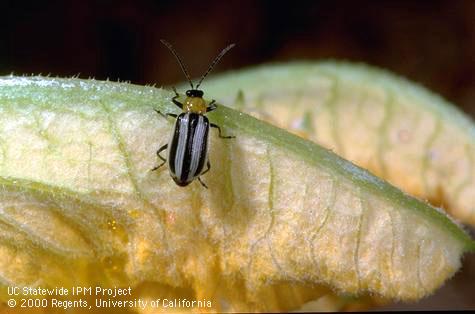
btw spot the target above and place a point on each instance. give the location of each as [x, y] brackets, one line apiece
[188, 147]
[189, 141]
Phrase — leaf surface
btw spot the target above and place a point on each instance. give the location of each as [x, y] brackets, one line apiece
[396, 129]
[284, 221]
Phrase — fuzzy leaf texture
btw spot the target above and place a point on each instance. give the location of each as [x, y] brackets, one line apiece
[284, 221]
[398, 130]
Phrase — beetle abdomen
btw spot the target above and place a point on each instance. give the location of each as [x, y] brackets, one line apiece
[188, 147]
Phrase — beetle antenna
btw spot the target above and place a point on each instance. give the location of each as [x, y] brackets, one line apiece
[221, 54]
[180, 62]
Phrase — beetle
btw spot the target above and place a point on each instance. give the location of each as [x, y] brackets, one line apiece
[189, 141]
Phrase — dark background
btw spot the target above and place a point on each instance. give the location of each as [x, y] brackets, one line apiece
[431, 42]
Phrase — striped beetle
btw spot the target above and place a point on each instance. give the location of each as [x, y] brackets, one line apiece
[188, 145]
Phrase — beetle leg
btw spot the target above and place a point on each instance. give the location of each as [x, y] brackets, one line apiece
[202, 183]
[211, 106]
[171, 115]
[208, 166]
[165, 115]
[161, 149]
[219, 131]
[176, 102]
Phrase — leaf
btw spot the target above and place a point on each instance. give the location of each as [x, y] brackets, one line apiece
[284, 221]
[396, 129]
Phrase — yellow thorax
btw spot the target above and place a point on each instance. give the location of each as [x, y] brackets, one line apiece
[195, 105]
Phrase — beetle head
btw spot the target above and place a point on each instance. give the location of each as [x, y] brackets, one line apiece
[194, 93]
